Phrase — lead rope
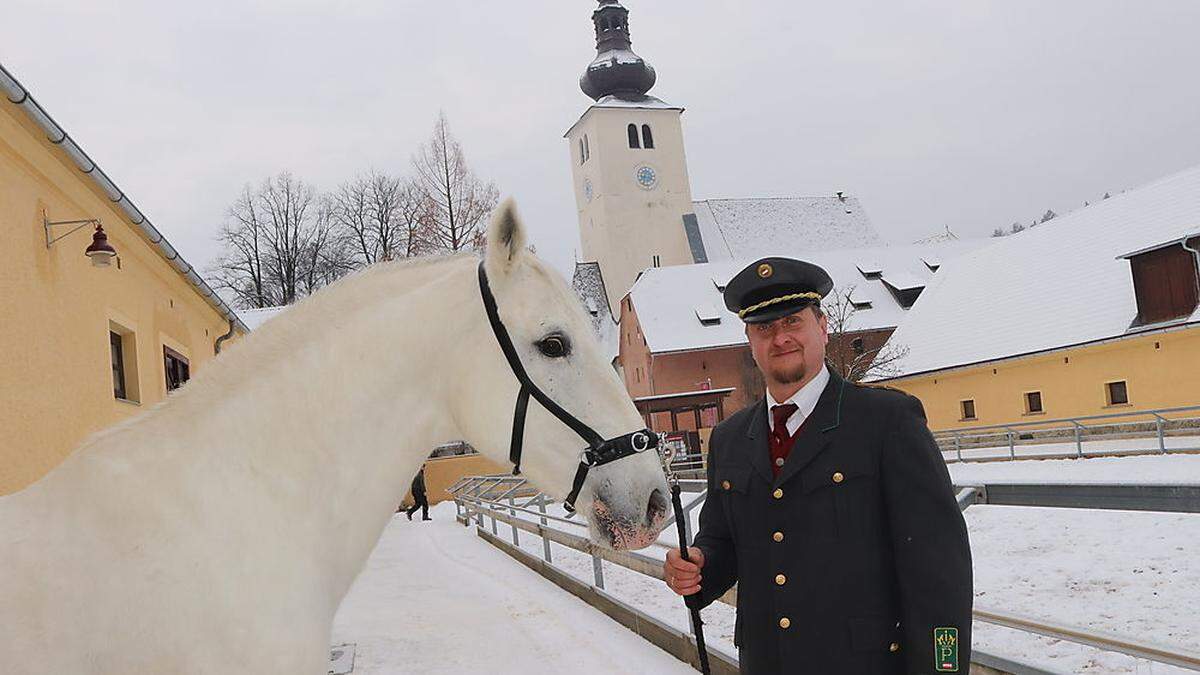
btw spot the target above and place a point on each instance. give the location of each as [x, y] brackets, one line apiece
[692, 601]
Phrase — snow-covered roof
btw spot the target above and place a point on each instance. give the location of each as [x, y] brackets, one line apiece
[1058, 284]
[588, 283]
[645, 102]
[671, 300]
[747, 229]
[253, 318]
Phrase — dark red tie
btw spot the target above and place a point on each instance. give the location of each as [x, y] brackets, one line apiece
[780, 440]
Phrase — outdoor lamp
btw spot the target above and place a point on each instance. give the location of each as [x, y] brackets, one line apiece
[100, 251]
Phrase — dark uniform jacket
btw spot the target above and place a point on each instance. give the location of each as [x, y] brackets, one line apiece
[855, 560]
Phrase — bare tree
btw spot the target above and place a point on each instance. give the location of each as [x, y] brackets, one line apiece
[850, 354]
[278, 244]
[460, 202]
[381, 217]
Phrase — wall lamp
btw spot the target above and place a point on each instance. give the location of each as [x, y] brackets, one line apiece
[100, 251]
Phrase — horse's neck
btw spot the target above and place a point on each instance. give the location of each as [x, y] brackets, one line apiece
[312, 454]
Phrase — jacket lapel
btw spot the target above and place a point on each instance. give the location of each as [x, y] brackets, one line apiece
[759, 454]
[818, 430]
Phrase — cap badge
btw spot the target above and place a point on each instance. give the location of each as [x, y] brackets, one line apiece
[764, 270]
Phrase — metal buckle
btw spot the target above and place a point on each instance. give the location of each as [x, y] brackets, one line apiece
[641, 439]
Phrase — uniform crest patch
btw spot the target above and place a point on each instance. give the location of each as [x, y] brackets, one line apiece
[764, 270]
[945, 650]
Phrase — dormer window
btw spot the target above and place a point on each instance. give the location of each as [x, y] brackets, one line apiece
[1166, 281]
[870, 270]
[906, 288]
[932, 263]
[707, 314]
[720, 283]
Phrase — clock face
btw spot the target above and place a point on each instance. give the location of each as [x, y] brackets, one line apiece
[646, 176]
[588, 190]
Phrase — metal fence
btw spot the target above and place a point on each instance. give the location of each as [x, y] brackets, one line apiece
[1164, 430]
[494, 498]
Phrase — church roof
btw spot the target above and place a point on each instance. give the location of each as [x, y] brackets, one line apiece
[746, 229]
[588, 283]
[1059, 284]
[680, 308]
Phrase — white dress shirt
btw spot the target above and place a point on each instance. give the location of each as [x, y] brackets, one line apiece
[805, 398]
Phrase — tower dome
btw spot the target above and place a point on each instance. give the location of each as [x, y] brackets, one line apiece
[616, 71]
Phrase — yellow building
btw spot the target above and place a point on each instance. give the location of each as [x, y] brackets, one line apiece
[83, 346]
[1091, 313]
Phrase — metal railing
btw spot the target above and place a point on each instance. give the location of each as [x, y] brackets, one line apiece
[983, 442]
[482, 498]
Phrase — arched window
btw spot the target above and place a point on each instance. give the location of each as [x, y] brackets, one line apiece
[582, 152]
[647, 137]
[587, 150]
[633, 136]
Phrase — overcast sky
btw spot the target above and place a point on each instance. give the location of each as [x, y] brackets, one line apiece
[967, 114]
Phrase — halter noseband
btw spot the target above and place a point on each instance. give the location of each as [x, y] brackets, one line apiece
[599, 451]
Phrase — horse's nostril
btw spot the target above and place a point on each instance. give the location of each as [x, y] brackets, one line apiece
[658, 506]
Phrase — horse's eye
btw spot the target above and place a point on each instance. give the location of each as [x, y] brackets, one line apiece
[555, 346]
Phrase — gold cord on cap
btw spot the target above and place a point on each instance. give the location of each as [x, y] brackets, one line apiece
[775, 301]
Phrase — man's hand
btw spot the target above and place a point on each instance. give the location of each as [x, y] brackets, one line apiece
[683, 576]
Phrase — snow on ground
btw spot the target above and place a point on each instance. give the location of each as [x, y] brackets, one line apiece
[1132, 574]
[1174, 469]
[435, 598]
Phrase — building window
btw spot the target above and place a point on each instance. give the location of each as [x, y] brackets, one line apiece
[647, 137]
[587, 149]
[633, 137]
[1033, 402]
[968, 409]
[118, 365]
[1116, 393]
[657, 261]
[176, 367]
[582, 156]
[857, 345]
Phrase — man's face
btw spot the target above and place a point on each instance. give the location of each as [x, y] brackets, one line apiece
[791, 348]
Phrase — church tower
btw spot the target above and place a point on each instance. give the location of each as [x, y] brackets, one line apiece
[627, 160]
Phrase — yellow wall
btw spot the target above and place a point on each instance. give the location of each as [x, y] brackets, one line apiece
[1160, 370]
[56, 308]
[442, 472]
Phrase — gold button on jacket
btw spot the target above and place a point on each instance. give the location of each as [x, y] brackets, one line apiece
[894, 647]
[778, 536]
[780, 580]
[778, 493]
[785, 622]
[838, 477]
[725, 484]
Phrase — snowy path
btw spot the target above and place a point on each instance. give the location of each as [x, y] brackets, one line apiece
[435, 598]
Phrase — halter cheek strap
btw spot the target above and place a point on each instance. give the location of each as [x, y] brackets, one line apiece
[599, 450]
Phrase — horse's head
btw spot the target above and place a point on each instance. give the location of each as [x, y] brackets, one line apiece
[625, 501]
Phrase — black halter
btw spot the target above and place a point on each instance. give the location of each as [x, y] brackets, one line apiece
[599, 451]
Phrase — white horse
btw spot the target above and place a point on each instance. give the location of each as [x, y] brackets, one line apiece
[218, 532]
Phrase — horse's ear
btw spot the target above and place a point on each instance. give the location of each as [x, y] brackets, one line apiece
[505, 239]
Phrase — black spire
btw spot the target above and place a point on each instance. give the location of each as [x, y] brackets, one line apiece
[617, 70]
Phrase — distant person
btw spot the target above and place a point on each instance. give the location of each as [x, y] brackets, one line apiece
[420, 501]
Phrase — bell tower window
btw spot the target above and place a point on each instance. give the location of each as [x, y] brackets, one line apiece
[647, 137]
[633, 137]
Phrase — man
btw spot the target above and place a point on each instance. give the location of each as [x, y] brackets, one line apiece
[829, 505]
[420, 501]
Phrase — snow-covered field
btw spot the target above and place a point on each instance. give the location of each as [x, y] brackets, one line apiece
[1131, 574]
[435, 598]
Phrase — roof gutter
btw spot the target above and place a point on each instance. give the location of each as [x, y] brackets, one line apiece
[20, 97]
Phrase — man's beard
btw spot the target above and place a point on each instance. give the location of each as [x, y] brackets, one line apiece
[790, 375]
